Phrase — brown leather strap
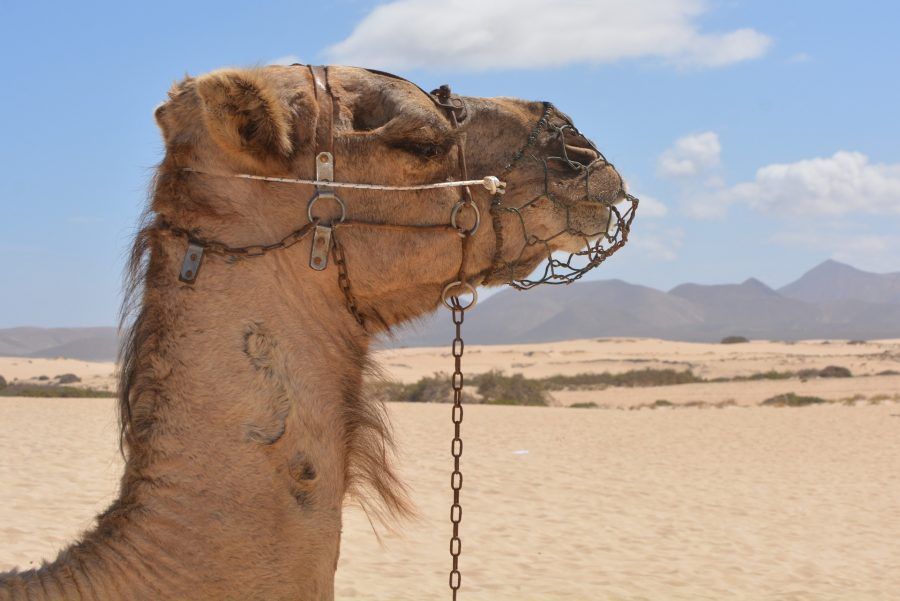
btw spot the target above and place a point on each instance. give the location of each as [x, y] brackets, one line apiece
[325, 121]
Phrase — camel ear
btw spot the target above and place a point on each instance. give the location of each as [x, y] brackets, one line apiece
[244, 114]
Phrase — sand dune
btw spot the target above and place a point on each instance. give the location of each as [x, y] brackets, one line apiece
[756, 503]
[745, 502]
[616, 355]
[93, 374]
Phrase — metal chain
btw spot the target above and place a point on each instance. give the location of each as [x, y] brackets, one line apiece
[239, 252]
[458, 314]
[340, 260]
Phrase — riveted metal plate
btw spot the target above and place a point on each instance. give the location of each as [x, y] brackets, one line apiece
[325, 167]
[191, 264]
[321, 246]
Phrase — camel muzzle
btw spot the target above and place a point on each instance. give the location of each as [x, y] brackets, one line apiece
[581, 185]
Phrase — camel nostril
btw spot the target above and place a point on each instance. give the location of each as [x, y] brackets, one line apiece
[582, 155]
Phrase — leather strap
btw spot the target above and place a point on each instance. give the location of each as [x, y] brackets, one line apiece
[325, 100]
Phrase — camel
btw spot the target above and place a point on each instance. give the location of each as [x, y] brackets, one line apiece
[244, 426]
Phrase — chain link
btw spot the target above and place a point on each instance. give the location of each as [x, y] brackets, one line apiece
[340, 260]
[456, 448]
[239, 252]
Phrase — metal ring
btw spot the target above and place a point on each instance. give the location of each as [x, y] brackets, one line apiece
[455, 213]
[470, 289]
[312, 201]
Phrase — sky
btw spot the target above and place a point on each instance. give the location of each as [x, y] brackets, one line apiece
[762, 136]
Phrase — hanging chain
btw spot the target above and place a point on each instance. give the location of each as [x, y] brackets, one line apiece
[458, 313]
[344, 282]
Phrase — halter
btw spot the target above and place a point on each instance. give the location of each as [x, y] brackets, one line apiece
[326, 240]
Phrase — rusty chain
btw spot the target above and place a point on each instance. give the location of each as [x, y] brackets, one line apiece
[238, 252]
[340, 260]
[456, 447]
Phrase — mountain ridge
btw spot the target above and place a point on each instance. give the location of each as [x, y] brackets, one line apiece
[831, 300]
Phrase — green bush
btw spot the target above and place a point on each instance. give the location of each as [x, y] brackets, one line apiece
[835, 371]
[765, 375]
[588, 405]
[48, 391]
[496, 388]
[2, 382]
[67, 379]
[734, 340]
[430, 389]
[793, 400]
[632, 379]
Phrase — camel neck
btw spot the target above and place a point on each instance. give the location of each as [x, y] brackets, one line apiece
[242, 414]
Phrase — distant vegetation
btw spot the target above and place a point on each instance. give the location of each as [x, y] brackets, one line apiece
[630, 379]
[51, 390]
[492, 388]
[734, 340]
[835, 371]
[793, 400]
[588, 405]
[498, 388]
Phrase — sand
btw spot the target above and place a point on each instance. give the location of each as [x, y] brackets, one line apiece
[93, 374]
[738, 503]
[745, 502]
[614, 355]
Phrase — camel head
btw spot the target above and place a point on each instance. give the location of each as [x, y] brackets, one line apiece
[561, 192]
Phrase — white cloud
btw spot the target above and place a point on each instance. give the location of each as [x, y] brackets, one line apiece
[690, 155]
[288, 59]
[524, 34]
[650, 208]
[844, 183]
[657, 243]
[874, 252]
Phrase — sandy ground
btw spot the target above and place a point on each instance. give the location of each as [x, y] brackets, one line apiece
[96, 375]
[738, 503]
[613, 355]
[851, 390]
[617, 355]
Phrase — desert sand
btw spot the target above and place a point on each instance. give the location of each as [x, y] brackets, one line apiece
[745, 502]
[94, 374]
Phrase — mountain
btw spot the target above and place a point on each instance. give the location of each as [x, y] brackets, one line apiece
[612, 307]
[89, 344]
[830, 301]
[833, 281]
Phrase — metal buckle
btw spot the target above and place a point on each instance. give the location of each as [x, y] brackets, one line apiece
[191, 264]
[454, 214]
[467, 289]
[326, 194]
[325, 167]
[321, 246]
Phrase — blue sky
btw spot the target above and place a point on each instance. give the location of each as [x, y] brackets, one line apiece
[765, 133]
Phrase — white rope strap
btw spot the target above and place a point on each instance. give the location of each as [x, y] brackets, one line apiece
[490, 183]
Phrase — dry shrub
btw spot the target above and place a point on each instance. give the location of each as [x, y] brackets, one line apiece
[792, 400]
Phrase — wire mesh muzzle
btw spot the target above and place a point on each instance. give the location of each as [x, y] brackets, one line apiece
[581, 204]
